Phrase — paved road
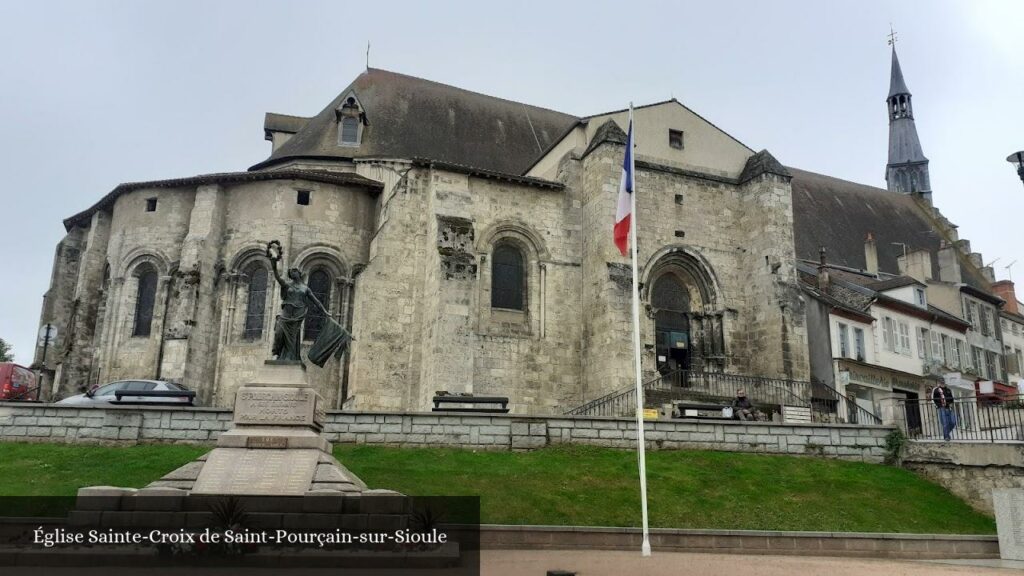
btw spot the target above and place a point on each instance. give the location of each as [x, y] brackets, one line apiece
[616, 563]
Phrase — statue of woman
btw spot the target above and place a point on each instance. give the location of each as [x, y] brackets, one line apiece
[296, 297]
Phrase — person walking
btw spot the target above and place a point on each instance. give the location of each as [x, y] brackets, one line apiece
[943, 398]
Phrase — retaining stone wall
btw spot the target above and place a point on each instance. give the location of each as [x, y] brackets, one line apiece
[971, 470]
[122, 424]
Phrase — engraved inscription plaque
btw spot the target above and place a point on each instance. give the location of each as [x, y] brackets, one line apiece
[275, 406]
[257, 472]
[266, 442]
[1009, 508]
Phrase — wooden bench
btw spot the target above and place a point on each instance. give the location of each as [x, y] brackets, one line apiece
[188, 395]
[474, 400]
[684, 406]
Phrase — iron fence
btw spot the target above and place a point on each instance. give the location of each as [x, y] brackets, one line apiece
[986, 419]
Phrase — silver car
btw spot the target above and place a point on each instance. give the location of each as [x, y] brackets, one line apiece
[106, 394]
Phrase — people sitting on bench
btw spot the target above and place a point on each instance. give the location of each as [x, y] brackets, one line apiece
[742, 409]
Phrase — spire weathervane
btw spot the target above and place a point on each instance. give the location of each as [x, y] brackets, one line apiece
[892, 36]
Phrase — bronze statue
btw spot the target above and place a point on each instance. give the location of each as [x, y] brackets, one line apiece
[296, 298]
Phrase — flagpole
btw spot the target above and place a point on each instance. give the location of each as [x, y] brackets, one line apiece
[645, 548]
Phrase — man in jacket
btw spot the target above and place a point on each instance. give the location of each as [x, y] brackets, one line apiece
[943, 398]
[742, 409]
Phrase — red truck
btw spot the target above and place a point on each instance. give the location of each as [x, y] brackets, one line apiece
[18, 383]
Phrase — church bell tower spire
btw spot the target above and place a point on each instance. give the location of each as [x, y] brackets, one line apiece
[907, 170]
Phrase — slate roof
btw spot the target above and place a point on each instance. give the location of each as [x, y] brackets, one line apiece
[273, 122]
[410, 117]
[892, 283]
[857, 292]
[607, 132]
[762, 163]
[838, 215]
[896, 83]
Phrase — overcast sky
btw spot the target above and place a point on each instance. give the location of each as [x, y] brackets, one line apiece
[98, 93]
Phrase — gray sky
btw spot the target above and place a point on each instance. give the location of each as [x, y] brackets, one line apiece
[98, 93]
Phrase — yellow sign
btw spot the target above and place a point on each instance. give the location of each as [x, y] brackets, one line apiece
[650, 414]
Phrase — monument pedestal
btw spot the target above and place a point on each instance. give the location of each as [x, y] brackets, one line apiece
[275, 446]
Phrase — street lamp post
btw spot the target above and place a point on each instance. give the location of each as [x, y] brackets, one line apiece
[1017, 159]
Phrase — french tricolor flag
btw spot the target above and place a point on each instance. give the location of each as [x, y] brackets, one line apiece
[624, 211]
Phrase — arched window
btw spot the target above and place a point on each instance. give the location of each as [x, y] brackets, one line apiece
[349, 130]
[349, 117]
[320, 286]
[144, 300]
[508, 278]
[255, 307]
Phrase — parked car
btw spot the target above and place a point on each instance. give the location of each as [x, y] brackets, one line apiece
[106, 394]
[18, 383]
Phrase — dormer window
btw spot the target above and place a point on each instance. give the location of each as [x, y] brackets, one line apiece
[350, 122]
[919, 297]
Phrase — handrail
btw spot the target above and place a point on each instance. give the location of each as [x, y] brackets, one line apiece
[584, 408]
[860, 414]
[684, 379]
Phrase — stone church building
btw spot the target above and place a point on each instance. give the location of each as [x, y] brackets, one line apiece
[466, 241]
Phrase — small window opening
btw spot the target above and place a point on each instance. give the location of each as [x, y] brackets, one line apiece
[675, 139]
[303, 198]
[679, 198]
[150, 204]
[680, 233]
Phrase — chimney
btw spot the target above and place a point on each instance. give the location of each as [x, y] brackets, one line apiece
[823, 280]
[949, 263]
[1004, 289]
[870, 254]
[916, 264]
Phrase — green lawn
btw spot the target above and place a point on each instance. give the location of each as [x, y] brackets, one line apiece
[61, 469]
[574, 485]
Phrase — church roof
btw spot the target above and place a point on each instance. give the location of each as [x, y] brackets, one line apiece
[762, 163]
[896, 83]
[904, 145]
[838, 215]
[409, 117]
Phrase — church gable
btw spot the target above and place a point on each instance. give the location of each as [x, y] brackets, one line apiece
[666, 133]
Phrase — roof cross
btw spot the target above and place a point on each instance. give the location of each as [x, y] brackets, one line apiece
[892, 36]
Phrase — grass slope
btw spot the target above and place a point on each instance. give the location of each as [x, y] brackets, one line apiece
[576, 485]
[572, 485]
[61, 469]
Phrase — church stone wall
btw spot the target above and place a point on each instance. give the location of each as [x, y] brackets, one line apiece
[389, 296]
[139, 236]
[335, 229]
[741, 235]
[196, 239]
[423, 319]
[412, 269]
[776, 332]
[58, 302]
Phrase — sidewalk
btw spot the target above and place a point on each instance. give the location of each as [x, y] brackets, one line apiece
[617, 563]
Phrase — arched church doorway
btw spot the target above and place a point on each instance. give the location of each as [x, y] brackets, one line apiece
[681, 294]
[671, 302]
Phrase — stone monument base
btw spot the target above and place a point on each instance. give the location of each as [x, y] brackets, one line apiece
[274, 448]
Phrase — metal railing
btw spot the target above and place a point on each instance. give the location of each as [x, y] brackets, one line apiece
[829, 406]
[985, 419]
[700, 386]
